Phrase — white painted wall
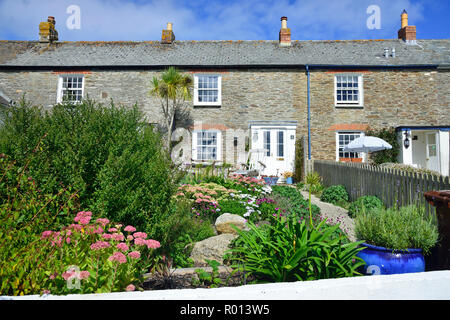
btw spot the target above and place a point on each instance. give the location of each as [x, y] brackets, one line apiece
[419, 149]
[406, 154]
[433, 285]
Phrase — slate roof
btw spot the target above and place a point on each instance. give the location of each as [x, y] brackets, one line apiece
[223, 53]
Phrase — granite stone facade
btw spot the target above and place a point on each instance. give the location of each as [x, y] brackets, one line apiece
[392, 97]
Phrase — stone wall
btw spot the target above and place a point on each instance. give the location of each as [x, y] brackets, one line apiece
[391, 98]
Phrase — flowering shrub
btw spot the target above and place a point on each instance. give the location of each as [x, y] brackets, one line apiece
[204, 197]
[248, 185]
[87, 257]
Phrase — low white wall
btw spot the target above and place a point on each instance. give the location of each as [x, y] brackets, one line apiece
[425, 285]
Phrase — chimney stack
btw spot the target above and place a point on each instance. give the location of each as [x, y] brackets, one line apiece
[285, 33]
[167, 35]
[47, 31]
[406, 33]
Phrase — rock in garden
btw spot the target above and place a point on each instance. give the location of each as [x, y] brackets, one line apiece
[224, 222]
[212, 248]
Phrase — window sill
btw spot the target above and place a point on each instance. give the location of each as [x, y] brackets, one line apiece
[215, 105]
[349, 106]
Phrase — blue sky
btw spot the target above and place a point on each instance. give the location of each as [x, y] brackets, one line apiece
[136, 20]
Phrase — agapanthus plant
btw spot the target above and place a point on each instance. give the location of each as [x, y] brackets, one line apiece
[96, 256]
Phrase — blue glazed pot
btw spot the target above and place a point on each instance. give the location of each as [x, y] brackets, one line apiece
[270, 180]
[380, 260]
[289, 180]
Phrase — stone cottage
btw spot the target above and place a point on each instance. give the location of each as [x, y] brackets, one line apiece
[253, 99]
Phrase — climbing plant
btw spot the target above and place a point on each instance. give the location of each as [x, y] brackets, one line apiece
[390, 136]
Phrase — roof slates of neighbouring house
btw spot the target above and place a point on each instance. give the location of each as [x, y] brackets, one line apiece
[223, 53]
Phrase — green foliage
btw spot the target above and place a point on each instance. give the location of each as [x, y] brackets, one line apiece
[209, 279]
[172, 89]
[390, 136]
[290, 251]
[108, 154]
[313, 183]
[178, 230]
[334, 194]
[232, 206]
[364, 203]
[26, 211]
[397, 228]
[296, 204]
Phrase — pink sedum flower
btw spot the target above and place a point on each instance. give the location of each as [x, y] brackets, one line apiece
[107, 236]
[130, 229]
[112, 230]
[152, 244]
[118, 237]
[122, 246]
[46, 234]
[119, 257]
[142, 235]
[134, 254]
[83, 217]
[130, 287]
[100, 245]
[83, 275]
[102, 221]
[139, 241]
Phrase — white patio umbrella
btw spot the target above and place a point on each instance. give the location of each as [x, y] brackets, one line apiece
[367, 144]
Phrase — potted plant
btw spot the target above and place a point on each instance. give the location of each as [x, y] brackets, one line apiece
[270, 180]
[395, 239]
[288, 176]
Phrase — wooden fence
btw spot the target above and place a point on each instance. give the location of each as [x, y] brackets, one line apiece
[392, 186]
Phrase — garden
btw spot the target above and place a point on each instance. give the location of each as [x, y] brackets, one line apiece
[90, 202]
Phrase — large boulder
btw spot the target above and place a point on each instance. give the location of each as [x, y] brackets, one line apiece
[212, 248]
[224, 222]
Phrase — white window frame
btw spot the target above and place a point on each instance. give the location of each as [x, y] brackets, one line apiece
[59, 95]
[195, 146]
[360, 102]
[362, 134]
[219, 90]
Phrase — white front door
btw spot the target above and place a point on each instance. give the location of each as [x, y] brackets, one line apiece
[432, 159]
[278, 147]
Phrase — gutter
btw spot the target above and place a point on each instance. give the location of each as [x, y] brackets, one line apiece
[225, 67]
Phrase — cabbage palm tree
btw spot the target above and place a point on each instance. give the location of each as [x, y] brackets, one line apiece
[173, 90]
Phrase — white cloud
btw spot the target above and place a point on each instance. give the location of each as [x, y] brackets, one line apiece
[205, 20]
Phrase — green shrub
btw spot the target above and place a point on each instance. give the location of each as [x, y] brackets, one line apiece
[398, 229]
[364, 203]
[177, 230]
[108, 154]
[389, 135]
[267, 207]
[232, 206]
[290, 251]
[299, 160]
[334, 194]
[25, 212]
[295, 204]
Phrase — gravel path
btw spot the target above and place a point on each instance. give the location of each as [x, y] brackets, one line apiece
[334, 214]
